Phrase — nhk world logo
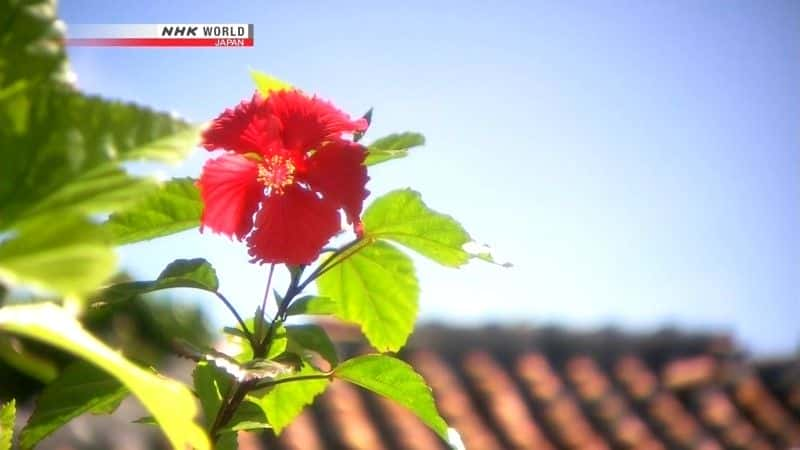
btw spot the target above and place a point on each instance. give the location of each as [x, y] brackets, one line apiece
[162, 35]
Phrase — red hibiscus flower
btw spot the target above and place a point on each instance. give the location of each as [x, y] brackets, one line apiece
[287, 173]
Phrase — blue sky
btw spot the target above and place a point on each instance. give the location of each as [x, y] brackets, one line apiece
[638, 161]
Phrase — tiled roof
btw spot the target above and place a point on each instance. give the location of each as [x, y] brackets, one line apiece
[523, 388]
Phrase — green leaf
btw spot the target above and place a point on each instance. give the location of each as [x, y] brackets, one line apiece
[283, 402]
[80, 388]
[103, 189]
[172, 148]
[227, 441]
[62, 137]
[401, 216]
[267, 84]
[236, 343]
[19, 356]
[175, 207]
[211, 386]
[312, 305]
[392, 146]
[377, 289]
[279, 342]
[312, 337]
[396, 380]
[167, 400]
[30, 42]
[8, 414]
[248, 416]
[182, 273]
[68, 256]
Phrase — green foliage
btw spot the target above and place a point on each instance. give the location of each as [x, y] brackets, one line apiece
[283, 402]
[169, 148]
[80, 388]
[21, 359]
[266, 84]
[279, 342]
[376, 288]
[392, 146]
[100, 189]
[67, 256]
[61, 153]
[67, 139]
[29, 43]
[182, 273]
[249, 416]
[146, 329]
[8, 413]
[211, 386]
[401, 216]
[312, 337]
[175, 207]
[312, 305]
[170, 403]
[394, 379]
[239, 347]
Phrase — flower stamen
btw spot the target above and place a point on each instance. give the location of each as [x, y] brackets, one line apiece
[276, 173]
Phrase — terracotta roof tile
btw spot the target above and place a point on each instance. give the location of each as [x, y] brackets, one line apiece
[409, 431]
[720, 414]
[561, 410]
[551, 390]
[502, 397]
[352, 423]
[766, 411]
[454, 402]
[686, 372]
[302, 434]
[610, 406]
[679, 426]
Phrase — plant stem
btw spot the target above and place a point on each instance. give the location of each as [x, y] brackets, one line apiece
[261, 347]
[236, 315]
[332, 262]
[229, 409]
[270, 383]
[280, 316]
[231, 405]
[260, 320]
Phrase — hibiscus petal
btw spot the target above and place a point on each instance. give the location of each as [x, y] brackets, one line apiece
[293, 227]
[230, 130]
[337, 171]
[306, 122]
[231, 193]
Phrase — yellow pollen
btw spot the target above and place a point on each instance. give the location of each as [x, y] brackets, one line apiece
[276, 173]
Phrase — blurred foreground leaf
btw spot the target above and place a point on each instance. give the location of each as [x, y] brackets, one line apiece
[170, 403]
[174, 207]
[8, 413]
[68, 256]
[80, 388]
[65, 151]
